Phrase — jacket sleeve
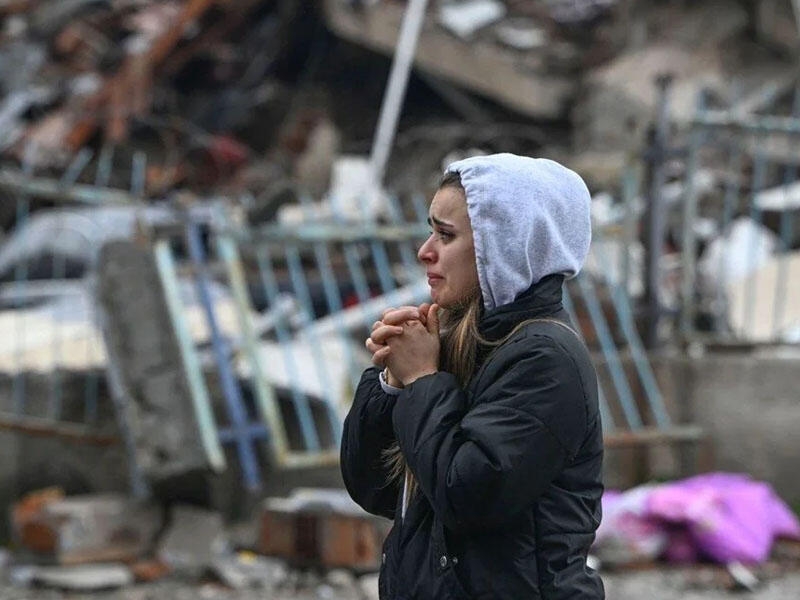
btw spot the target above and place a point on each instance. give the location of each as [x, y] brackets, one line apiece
[367, 433]
[480, 467]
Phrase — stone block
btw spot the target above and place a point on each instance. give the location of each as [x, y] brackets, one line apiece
[84, 529]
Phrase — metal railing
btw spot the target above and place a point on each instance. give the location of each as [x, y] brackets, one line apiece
[285, 350]
[52, 360]
[748, 299]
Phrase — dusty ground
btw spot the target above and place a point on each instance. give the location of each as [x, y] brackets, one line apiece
[703, 583]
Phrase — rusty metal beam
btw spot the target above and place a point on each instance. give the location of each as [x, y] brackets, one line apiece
[72, 432]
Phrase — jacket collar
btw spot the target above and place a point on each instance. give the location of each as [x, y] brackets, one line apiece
[542, 299]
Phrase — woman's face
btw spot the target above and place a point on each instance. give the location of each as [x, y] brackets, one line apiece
[449, 254]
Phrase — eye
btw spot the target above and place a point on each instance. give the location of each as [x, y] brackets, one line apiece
[444, 236]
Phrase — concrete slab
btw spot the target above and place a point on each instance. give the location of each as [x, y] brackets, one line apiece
[485, 68]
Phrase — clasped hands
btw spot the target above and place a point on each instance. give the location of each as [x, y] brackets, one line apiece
[406, 342]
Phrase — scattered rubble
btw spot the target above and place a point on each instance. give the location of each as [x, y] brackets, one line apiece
[194, 541]
[84, 529]
[321, 529]
[185, 84]
[79, 578]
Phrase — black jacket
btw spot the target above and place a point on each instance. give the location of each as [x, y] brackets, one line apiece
[509, 471]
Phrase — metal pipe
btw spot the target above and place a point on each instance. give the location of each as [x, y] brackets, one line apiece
[656, 218]
[201, 402]
[354, 317]
[230, 387]
[264, 392]
[310, 233]
[655, 400]
[689, 242]
[749, 124]
[51, 189]
[300, 286]
[20, 279]
[610, 353]
[396, 88]
[333, 297]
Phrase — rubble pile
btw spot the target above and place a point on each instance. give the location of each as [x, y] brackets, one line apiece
[252, 98]
[95, 542]
[176, 80]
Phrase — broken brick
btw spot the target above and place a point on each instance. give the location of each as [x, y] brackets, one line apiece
[83, 529]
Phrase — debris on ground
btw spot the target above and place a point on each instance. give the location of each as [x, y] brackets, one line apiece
[154, 107]
[84, 529]
[194, 540]
[78, 578]
[321, 528]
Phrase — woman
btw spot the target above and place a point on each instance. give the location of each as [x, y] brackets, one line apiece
[483, 441]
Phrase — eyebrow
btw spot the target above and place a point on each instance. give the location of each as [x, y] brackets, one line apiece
[433, 220]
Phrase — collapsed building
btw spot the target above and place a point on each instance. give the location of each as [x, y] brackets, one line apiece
[195, 243]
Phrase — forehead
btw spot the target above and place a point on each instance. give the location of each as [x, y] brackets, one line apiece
[449, 204]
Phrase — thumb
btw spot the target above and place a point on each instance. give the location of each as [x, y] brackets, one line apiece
[433, 319]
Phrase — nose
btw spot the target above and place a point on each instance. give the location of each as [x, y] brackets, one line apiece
[426, 253]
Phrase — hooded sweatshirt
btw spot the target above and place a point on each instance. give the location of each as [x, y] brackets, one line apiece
[509, 467]
[530, 218]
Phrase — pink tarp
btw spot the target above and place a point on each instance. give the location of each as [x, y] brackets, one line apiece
[721, 517]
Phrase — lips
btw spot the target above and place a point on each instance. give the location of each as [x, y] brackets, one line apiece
[434, 278]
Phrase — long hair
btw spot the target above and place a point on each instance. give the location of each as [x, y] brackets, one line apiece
[460, 340]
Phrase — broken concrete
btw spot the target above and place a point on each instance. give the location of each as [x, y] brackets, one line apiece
[485, 68]
[194, 541]
[85, 529]
[156, 402]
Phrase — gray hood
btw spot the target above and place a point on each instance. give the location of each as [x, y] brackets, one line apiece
[530, 218]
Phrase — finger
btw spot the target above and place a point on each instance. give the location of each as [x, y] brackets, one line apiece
[375, 325]
[372, 346]
[432, 324]
[399, 316]
[379, 357]
[391, 308]
[383, 333]
[423, 312]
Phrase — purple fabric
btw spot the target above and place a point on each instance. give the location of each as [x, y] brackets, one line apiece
[626, 534]
[728, 516]
[718, 516]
